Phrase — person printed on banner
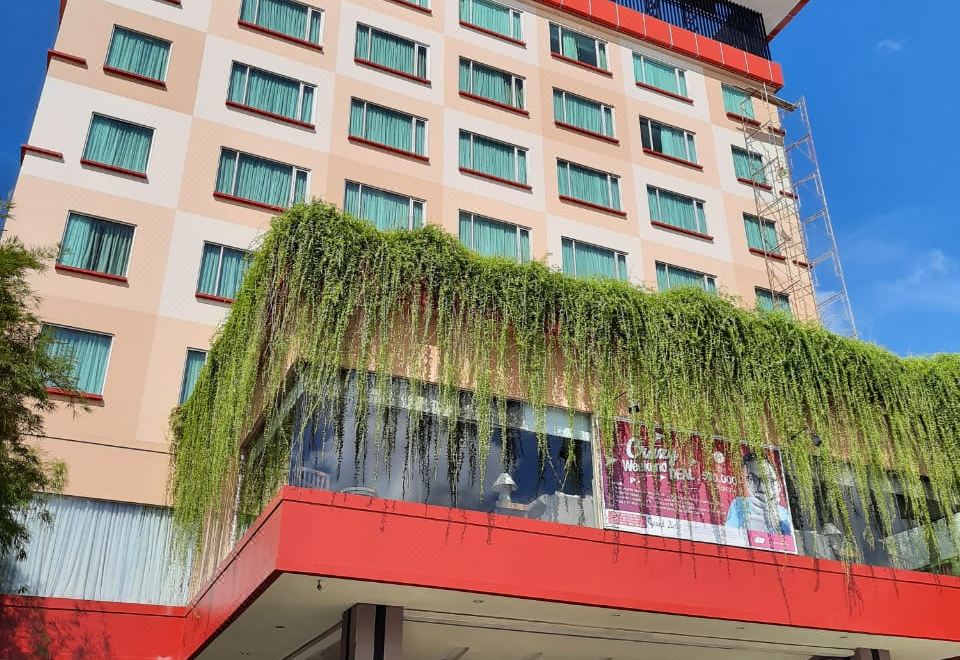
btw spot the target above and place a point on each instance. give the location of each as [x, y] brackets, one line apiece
[760, 509]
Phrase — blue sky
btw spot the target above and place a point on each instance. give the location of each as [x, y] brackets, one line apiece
[881, 83]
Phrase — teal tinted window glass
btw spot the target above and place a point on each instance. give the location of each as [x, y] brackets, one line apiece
[221, 271]
[672, 277]
[588, 185]
[577, 46]
[492, 16]
[769, 301]
[391, 51]
[270, 92]
[386, 210]
[583, 113]
[96, 245]
[657, 74]
[499, 159]
[118, 143]
[494, 237]
[191, 371]
[586, 260]
[489, 83]
[293, 19]
[676, 210]
[761, 234]
[260, 180]
[388, 127]
[138, 53]
[748, 165]
[87, 353]
[738, 102]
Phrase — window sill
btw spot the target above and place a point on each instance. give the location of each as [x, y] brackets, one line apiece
[223, 197]
[175, 3]
[682, 230]
[755, 184]
[778, 131]
[212, 298]
[253, 27]
[113, 169]
[790, 195]
[65, 57]
[583, 65]
[136, 77]
[396, 72]
[673, 159]
[743, 120]
[767, 255]
[491, 33]
[270, 115]
[583, 131]
[678, 97]
[496, 179]
[591, 205]
[495, 104]
[385, 147]
[39, 151]
[63, 268]
[802, 264]
[410, 5]
[85, 396]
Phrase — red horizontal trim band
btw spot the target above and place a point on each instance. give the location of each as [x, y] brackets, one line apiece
[789, 194]
[584, 65]
[583, 131]
[742, 119]
[491, 177]
[757, 184]
[248, 202]
[802, 264]
[387, 148]
[63, 268]
[120, 73]
[591, 205]
[679, 97]
[65, 57]
[410, 5]
[786, 19]
[172, 2]
[114, 169]
[672, 159]
[220, 299]
[771, 255]
[778, 131]
[682, 230]
[495, 104]
[491, 33]
[86, 396]
[38, 151]
[279, 35]
[396, 72]
[270, 115]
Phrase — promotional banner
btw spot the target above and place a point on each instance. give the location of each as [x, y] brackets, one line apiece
[705, 490]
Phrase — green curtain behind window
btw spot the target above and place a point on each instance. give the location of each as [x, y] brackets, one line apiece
[769, 301]
[748, 165]
[659, 75]
[583, 49]
[585, 260]
[97, 245]
[191, 371]
[138, 53]
[492, 157]
[494, 238]
[221, 271]
[390, 51]
[588, 185]
[582, 113]
[737, 102]
[265, 91]
[282, 16]
[386, 210]
[671, 277]
[676, 210]
[384, 126]
[487, 82]
[674, 142]
[87, 352]
[118, 143]
[761, 234]
[490, 16]
[263, 181]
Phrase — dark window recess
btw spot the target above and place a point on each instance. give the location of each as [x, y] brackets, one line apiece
[724, 21]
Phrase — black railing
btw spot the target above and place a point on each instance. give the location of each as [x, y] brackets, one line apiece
[727, 22]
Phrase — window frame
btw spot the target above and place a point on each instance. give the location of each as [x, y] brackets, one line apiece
[739, 111]
[410, 206]
[698, 204]
[517, 149]
[754, 157]
[414, 119]
[774, 250]
[139, 76]
[610, 178]
[679, 72]
[183, 377]
[96, 396]
[619, 257]
[597, 43]
[603, 114]
[295, 170]
[416, 46]
[514, 80]
[108, 166]
[63, 235]
[706, 276]
[520, 229]
[246, 87]
[305, 40]
[689, 140]
[514, 13]
[216, 296]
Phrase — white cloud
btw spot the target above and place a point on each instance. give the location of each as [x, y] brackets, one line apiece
[889, 45]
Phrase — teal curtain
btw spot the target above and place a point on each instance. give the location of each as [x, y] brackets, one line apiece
[306, 104]
[769, 301]
[300, 187]
[386, 210]
[492, 157]
[263, 181]
[672, 277]
[266, 91]
[674, 141]
[490, 16]
[417, 219]
[316, 26]
[491, 237]
[209, 270]
[761, 234]
[282, 16]
[191, 371]
[237, 91]
[221, 271]
[738, 102]
[582, 113]
[588, 185]
[361, 49]
[118, 143]
[384, 126]
[490, 83]
[676, 210]
[748, 165]
[659, 75]
[87, 352]
[578, 47]
[585, 260]
[138, 53]
[390, 51]
[97, 245]
[226, 171]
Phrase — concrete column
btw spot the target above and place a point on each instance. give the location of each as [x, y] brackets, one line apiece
[871, 654]
[372, 632]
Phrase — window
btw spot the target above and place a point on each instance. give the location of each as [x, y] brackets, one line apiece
[139, 54]
[293, 19]
[221, 271]
[738, 102]
[578, 47]
[96, 245]
[118, 144]
[388, 51]
[191, 371]
[748, 165]
[672, 277]
[259, 180]
[483, 155]
[492, 17]
[761, 234]
[491, 84]
[425, 4]
[271, 93]
[386, 210]
[390, 128]
[87, 352]
[770, 301]
[587, 185]
[676, 210]
[586, 260]
[654, 73]
[587, 115]
[494, 238]
[668, 140]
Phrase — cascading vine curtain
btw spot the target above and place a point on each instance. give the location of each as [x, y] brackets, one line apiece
[87, 352]
[270, 92]
[738, 102]
[588, 185]
[384, 209]
[97, 245]
[671, 277]
[389, 127]
[191, 371]
[391, 51]
[677, 210]
[582, 113]
[748, 165]
[586, 260]
[493, 157]
[284, 16]
[490, 83]
[138, 53]
[761, 234]
[99, 550]
[491, 16]
[258, 179]
[494, 238]
[660, 75]
[221, 271]
[118, 143]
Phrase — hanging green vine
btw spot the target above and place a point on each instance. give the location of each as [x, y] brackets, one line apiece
[327, 290]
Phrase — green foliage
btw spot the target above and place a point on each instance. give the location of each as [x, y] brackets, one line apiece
[326, 289]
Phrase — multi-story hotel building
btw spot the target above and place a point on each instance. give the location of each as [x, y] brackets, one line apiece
[602, 137]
